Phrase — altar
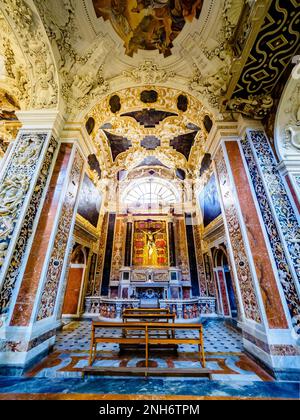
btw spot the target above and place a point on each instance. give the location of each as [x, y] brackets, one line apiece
[152, 284]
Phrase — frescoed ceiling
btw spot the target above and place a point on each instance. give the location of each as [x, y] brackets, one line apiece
[148, 24]
[150, 71]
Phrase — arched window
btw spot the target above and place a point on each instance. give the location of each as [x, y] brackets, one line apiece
[150, 193]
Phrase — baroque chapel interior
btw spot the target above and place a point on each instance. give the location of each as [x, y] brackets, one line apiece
[149, 198]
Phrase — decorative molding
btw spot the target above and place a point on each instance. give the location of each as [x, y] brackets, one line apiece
[149, 73]
[285, 212]
[59, 251]
[285, 275]
[254, 107]
[15, 185]
[27, 225]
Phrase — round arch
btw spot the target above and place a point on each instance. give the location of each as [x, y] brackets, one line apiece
[149, 191]
[130, 99]
[287, 124]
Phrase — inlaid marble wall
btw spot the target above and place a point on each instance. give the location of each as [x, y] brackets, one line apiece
[101, 256]
[270, 191]
[90, 287]
[280, 200]
[36, 260]
[200, 261]
[118, 249]
[18, 182]
[255, 236]
[181, 248]
[211, 285]
[62, 239]
[244, 274]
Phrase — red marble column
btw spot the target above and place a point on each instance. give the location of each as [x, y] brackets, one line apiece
[30, 283]
[261, 258]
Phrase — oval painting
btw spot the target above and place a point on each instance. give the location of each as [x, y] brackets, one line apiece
[148, 24]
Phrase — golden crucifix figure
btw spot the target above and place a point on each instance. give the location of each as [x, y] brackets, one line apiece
[151, 242]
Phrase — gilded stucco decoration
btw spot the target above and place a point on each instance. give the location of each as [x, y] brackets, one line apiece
[122, 126]
[89, 70]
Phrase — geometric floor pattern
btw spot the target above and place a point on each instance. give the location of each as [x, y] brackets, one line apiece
[223, 348]
[234, 374]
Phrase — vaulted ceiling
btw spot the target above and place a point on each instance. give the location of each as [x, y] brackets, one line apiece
[172, 58]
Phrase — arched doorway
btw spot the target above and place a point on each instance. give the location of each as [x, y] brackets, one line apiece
[227, 305]
[75, 283]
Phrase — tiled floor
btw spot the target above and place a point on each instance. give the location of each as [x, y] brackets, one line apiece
[223, 347]
[234, 375]
[218, 338]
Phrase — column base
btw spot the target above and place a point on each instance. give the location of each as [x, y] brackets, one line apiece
[23, 347]
[9, 368]
[275, 351]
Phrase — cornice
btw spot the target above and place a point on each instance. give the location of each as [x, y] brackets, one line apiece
[44, 119]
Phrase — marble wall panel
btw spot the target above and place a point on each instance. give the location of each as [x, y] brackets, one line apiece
[181, 248]
[263, 266]
[118, 255]
[28, 165]
[285, 275]
[60, 247]
[211, 285]
[36, 260]
[15, 184]
[223, 292]
[200, 261]
[245, 278]
[285, 213]
[101, 256]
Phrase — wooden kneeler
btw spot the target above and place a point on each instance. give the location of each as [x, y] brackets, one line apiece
[147, 339]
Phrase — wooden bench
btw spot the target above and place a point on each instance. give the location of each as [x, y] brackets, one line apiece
[164, 317]
[146, 338]
[145, 310]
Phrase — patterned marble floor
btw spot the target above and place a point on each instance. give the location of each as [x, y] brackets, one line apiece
[235, 376]
[223, 347]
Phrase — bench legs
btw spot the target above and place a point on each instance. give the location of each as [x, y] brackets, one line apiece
[147, 350]
[201, 350]
[93, 348]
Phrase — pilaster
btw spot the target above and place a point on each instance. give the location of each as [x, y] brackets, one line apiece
[32, 307]
[259, 217]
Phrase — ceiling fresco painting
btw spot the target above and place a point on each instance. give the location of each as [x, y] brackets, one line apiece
[148, 24]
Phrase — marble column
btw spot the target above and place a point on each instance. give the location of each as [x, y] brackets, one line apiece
[257, 214]
[128, 246]
[45, 172]
[172, 248]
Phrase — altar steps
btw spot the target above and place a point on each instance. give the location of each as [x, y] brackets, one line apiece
[148, 372]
